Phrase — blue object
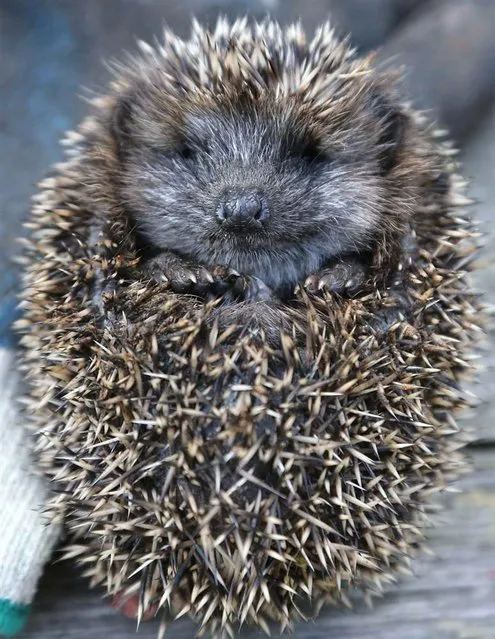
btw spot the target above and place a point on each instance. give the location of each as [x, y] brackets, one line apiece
[13, 617]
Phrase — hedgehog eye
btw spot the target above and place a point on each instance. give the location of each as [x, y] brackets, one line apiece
[311, 152]
[187, 152]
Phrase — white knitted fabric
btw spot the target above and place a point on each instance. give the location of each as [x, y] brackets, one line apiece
[26, 540]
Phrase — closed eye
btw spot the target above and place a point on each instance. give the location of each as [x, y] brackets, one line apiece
[190, 151]
[312, 152]
[187, 152]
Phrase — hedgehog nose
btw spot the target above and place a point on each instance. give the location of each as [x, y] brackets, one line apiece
[243, 207]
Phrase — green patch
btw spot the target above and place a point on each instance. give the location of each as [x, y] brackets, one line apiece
[13, 616]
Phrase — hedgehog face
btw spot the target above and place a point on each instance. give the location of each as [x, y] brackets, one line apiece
[253, 182]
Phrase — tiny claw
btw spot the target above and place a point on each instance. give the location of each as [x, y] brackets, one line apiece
[351, 283]
[208, 276]
[309, 282]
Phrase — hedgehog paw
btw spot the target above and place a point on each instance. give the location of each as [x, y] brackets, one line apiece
[185, 276]
[219, 280]
[342, 278]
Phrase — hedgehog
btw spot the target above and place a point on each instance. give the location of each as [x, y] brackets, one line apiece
[247, 320]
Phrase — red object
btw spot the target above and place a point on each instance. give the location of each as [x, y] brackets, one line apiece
[128, 605]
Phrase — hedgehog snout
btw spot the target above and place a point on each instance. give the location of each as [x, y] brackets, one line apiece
[242, 207]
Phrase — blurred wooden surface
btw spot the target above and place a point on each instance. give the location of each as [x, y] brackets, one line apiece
[49, 48]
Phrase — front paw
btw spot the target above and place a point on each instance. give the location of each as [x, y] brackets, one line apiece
[343, 278]
[181, 275]
[185, 276]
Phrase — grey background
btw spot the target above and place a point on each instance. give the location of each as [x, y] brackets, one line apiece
[50, 48]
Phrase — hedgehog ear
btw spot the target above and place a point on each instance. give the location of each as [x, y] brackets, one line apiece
[120, 125]
[392, 134]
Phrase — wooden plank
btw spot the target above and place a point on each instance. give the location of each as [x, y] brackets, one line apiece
[452, 595]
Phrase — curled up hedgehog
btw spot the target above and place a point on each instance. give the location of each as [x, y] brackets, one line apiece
[246, 322]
